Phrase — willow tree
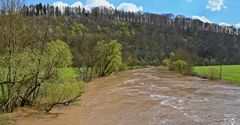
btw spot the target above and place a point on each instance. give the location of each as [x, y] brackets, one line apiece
[28, 59]
[110, 57]
[30, 71]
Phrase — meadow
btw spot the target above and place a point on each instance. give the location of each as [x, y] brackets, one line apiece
[229, 72]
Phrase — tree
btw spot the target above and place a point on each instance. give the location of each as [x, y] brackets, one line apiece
[30, 70]
[57, 11]
[11, 6]
[27, 61]
[44, 10]
[111, 57]
[172, 56]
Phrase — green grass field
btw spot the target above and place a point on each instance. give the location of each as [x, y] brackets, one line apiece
[230, 73]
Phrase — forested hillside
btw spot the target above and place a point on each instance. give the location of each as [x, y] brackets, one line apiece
[146, 38]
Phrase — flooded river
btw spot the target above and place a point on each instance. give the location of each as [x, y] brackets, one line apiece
[151, 96]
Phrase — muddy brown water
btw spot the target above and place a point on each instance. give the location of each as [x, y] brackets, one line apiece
[151, 96]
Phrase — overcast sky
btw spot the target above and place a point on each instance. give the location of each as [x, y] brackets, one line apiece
[224, 12]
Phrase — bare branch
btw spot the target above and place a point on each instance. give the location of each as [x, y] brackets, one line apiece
[65, 103]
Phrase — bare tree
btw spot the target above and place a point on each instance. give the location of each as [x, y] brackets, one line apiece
[11, 6]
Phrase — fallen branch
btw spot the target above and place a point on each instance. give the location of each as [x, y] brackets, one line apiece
[65, 103]
[6, 82]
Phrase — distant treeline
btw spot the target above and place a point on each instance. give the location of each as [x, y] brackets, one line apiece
[167, 20]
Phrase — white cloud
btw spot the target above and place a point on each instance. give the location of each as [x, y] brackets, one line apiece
[201, 18]
[215, 5]
[237, 25]
[130, 7]
[60, 4]
[224, 24]
[98, 3]
[77, 4]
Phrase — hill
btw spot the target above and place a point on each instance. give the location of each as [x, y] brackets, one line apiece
[146, 38]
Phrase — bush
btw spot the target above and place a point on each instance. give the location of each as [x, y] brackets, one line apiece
[179, 66]
[212, 73]
[123, 67]
[166, 62]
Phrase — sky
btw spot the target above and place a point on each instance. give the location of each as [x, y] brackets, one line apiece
[223, 12]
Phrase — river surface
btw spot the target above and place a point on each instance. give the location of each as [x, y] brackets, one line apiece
[151, 96]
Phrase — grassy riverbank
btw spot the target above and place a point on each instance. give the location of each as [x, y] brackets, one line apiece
[229, 72]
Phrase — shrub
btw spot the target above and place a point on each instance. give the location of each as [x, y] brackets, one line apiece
[212, 73]
[123, 67]
[179, 66]
[166, 62]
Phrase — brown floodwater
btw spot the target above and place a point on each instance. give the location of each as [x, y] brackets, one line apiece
[151, 96]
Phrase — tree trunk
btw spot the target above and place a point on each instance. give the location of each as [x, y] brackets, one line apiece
[3, 91]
